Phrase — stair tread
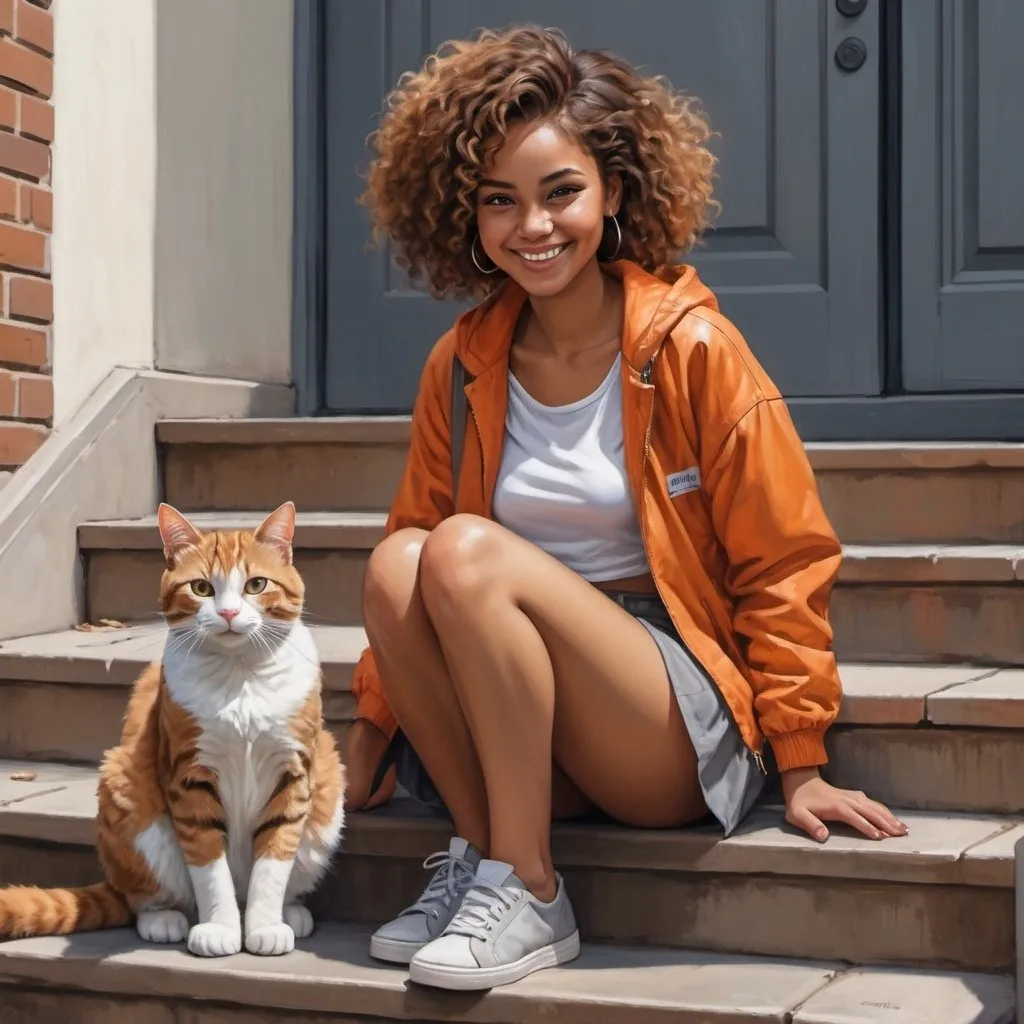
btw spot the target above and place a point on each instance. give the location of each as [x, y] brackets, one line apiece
[114, 655]
[284, 430]
[852, 455]
[331, 973]
[58, 805]
[873, 694]
[862, 563]
[360, 530]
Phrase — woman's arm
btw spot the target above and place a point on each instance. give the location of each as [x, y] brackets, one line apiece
[784, 558]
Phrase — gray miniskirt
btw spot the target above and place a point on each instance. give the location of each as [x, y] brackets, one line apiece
[730, 778]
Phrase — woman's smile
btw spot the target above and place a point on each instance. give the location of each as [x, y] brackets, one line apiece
[538, 259]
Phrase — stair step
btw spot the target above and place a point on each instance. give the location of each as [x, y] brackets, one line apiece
[924, 736]
[873, 492]
[765, 891]
[873, 694]
[331, 976]
[361, 531]
[894, 602]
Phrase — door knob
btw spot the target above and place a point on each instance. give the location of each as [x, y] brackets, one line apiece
[851, 53]
[851, 8]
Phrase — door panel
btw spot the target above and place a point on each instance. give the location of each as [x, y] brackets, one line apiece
[794, 256]
[963, 195]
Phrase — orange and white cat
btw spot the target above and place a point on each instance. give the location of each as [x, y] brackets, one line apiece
[226, 790]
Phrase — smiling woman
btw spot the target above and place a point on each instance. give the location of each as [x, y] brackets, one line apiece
[625, 591]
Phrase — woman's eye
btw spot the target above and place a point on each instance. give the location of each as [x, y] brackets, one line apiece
[564, 192]
[202, 588]
[497, 201]
[256, 585]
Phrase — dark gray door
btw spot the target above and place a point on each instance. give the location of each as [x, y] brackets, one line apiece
[794, 258]
[963, 195]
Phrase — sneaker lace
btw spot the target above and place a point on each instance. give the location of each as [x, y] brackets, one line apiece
[452, 877]
[483, 907]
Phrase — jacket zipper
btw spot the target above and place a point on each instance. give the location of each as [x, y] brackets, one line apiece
[645, 378]
[480, 440]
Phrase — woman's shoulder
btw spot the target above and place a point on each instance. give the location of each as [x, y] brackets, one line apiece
[705, 339]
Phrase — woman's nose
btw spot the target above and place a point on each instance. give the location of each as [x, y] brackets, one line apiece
[536, 223]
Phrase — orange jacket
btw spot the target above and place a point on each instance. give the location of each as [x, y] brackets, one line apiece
[738, 544]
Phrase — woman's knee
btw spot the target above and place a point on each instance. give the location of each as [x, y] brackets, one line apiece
[389, 583]
[459, 564]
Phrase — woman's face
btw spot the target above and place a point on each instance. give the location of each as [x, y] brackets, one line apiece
[540, 208]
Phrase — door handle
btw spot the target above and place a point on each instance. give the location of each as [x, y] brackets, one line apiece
[851, 8]
[851, 53]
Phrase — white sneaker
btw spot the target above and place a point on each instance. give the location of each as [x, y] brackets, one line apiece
[398, 940]
[499, 934]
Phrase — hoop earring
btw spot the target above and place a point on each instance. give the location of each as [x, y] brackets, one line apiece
[475, 259]
[618, 243]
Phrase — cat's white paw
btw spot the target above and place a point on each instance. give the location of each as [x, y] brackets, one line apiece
[212, 939]
[162, 925]
[299, 919]
[271, 940]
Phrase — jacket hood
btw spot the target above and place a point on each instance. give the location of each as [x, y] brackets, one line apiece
[654, 306]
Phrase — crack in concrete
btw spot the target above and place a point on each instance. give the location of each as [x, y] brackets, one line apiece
[31, 796]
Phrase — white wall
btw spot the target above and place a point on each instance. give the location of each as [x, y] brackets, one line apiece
[224, 187]
[172, 190]
[104, 164]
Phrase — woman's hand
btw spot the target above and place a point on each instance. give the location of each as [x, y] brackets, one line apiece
[811, 801]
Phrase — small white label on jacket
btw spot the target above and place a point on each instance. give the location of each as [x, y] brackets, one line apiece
[683, 482]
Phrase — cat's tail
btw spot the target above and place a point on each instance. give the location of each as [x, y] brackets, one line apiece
[26, 911]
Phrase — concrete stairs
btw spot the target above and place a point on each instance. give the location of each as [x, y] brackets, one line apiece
[764, 926]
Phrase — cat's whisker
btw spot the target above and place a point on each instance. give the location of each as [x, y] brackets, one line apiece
[260, 641]
[286, 638]
[322, 620]
[177, 638]
[200, 636]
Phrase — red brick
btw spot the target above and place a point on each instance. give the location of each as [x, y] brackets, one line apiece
[26, 68]
[31, 298]
[8, 107]
[8, 393]
[36, 118]
[8, 199]
[22, 248]
[35, 26]
[24, 156]
[7, 16]
[36, 207]
[35, 397]
[18, 441]
[22, 346]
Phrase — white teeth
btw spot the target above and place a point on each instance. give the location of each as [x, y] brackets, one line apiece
[540, 257]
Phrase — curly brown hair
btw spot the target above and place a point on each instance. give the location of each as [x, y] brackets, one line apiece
[442, 123]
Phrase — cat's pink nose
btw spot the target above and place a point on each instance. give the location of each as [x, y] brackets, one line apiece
[228, 614]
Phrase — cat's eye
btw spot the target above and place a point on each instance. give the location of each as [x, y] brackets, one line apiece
[202, 588]
[256, 585]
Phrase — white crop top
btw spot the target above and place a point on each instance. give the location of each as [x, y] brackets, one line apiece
[563, 484]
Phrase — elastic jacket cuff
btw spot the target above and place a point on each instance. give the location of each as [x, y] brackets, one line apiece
[804, 749]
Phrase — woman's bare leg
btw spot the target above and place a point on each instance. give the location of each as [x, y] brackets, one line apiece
[543, 664]
[417, 684]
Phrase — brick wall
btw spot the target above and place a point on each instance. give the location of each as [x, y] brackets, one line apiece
[26, 219]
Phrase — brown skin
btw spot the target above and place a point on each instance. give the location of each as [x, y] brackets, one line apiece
[496, 659]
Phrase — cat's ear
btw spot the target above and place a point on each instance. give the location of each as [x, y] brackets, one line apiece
[277, 531]
[176, 532]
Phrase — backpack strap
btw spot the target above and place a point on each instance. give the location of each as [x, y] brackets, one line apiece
[459, 412]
